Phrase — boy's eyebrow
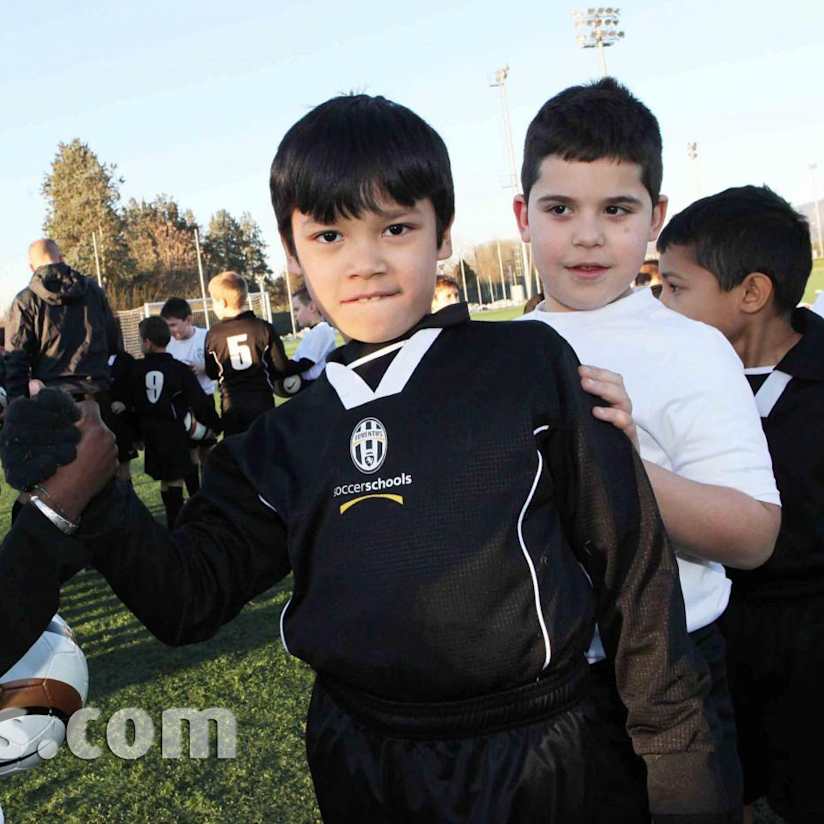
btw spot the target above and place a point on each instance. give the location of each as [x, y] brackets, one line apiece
[556, 199]
[384, 214]
[669, 274]
[619, 199]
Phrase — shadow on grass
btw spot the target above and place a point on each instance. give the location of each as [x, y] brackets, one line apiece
[126, 653]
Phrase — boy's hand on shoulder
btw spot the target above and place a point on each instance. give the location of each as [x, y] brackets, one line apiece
[609, 387]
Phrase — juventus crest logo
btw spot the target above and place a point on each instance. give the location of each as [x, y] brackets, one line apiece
[368, 445]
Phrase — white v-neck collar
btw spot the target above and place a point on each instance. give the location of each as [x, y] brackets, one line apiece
[354, 391]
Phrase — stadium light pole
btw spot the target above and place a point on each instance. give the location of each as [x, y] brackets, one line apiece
[499, 83]
[96, 260]
[692, 154]
[597, 28]
[817, 207]
[202, 283]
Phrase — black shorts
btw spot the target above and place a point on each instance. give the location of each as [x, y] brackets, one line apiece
[362, 772]
[621, 789]
[775, 660]
[239, 415]
[167, 450]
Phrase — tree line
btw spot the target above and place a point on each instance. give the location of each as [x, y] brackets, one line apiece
[145, 249]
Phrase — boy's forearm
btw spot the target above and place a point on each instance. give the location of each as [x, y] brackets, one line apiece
[185, 584]
[715, 523]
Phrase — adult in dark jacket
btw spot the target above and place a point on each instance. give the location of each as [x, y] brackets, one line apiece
[61, 330]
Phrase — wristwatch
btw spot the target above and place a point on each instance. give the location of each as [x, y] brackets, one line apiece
[63, 524]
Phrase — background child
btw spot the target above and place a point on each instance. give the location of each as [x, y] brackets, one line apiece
[162, 390]
[244, 354]
[188, 345]
[591, 179]
[320, 339]
[446, 292]
[740, 261]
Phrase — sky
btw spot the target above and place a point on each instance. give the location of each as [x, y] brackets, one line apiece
[191, 99]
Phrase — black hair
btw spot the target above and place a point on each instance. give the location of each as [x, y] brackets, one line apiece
[155, 330]
[176, 308]
[346, 153]
[643, 278]
[594, 121]
[302, 295]
[743, 230]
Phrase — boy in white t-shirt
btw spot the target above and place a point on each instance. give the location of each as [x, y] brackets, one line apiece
[319, 340]
[591, 179]
[188, 346]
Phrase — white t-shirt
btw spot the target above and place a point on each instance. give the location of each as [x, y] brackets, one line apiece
[317, 343]
[818, 304]
[693, 408]
[192, 352]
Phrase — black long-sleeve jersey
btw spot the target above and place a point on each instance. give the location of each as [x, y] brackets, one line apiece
[455, 519]
[162, 388]
[246, 356]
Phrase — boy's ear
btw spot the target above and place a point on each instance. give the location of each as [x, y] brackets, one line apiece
[445, 249]
[659, 215]
[519, 206]
[756, 292]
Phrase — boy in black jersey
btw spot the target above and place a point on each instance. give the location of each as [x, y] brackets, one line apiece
[162, 390]
[245, 355]
[451, 542]
[740, 261]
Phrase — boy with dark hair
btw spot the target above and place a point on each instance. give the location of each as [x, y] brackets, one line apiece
[447, 566]
[162, 391]
[740, 261]
[591, 179]
[245, 354]
[318, 341]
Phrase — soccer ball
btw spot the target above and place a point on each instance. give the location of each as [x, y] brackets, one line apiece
[194, 428]
[37, 697]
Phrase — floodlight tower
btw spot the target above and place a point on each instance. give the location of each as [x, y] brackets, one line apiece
[597, 28]
[692, 154]
[500, 84]
[817, 208]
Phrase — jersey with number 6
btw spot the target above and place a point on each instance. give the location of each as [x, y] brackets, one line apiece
[246, 356]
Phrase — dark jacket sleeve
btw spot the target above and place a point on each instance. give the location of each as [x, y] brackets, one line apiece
[612, 521]
[210, 364]
[277, 356]
[183, 585]
[114, 338]
[35, 559]
[21, 347]
[199, 402]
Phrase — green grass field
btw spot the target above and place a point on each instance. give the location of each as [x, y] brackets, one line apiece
[243, 669]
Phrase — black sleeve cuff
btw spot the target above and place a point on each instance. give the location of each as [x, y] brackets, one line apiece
[686, 788]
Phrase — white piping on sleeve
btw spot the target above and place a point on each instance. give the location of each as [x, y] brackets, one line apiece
[531, 566]
[282, 633]
[283, 611]
[264, 501]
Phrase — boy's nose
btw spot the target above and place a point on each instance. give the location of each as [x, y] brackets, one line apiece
[366, 260]
[588, 233]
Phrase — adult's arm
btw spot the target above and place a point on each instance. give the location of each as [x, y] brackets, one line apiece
[21, 348]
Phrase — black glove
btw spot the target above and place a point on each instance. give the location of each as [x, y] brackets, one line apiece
[39, 435]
